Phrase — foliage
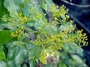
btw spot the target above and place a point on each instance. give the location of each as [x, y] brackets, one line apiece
[27, 34]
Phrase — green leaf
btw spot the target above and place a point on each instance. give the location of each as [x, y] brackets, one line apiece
[25, 9]
[79, 60]
[29, 45]
[61, 64]
[2, 64]
[3, 10]
[34, 50]
[44, 5]
[42, 57]
[2, 55]
[5, 37]
[13, 5]
[73, 48]
[16, 54]
[32, 63]
[48, 4]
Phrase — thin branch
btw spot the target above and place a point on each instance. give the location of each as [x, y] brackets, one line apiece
[77, 5]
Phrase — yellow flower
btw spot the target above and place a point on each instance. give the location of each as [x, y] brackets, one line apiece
[4, 18]
[55, 18]
[38, 15]
[13, 35]
[67, 16]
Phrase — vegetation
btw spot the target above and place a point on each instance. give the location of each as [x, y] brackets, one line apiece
[38, 33]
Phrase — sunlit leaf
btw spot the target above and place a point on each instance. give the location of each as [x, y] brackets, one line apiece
[42, 58]
[5, 37]
[2, 55]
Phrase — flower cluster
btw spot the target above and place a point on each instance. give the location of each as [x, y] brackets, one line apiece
[58, 12]
[38, 15]
[15, 20]
[4, 18]
[19, 34]
[21, 19]
[54, 38]
[81, 38]
[16, 24]
[49, 35]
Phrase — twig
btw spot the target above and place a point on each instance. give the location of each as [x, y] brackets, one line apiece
[77, 5]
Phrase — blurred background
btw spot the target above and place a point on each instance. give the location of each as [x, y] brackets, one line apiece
[79, 11]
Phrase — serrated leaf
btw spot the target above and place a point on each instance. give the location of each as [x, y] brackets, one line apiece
[13, 5]
[5, 37]
[16, 54]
